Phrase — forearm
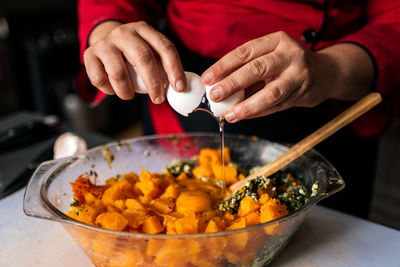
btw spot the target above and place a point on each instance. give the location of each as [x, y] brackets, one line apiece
[349, 71]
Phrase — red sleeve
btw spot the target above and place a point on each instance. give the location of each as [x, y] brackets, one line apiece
[93, 12]
[380, 37]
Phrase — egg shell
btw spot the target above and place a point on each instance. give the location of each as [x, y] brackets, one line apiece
[219, 108]
[185, 102]
[137, 81]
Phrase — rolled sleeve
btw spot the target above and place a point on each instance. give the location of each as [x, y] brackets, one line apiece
[380, 38]
[93, 12]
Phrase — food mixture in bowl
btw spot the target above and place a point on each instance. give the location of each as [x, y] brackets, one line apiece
[186, 198]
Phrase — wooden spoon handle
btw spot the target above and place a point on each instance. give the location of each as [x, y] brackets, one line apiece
[352, 113]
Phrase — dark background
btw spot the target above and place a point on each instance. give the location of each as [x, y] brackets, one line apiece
[39, 60]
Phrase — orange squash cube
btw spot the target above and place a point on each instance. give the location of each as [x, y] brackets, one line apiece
[229, 172]
[247, 205]
[187, 225]
[272, 210]
[152, 226]
[212, 227]
[135, 218]
[192, 201]
[112, 221]
[148, 187]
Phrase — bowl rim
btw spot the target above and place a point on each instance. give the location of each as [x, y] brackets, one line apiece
[62, 217]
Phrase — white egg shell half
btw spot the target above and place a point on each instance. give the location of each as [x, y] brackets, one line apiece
[137, 82]
[185, 102]
[219, 108]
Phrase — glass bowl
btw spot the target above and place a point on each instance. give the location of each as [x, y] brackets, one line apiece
[48, 196]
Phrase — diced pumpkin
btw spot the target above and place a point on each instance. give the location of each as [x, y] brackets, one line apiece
[192, 201]
[169, 225]
[237, 242]
[127, 258]
[89, 198]
[264, 198]
[203, 171]
[130, 177]
[252, 218]
[212, 227]
[162, 206]
[85, 214]
[134, 204]
[104, 245]
[120, 204]
[117, 191]
[227, 155]
[229, 172]
[182, 176]
[112, 221]
[208, 157]
[187, 225]
[177, 252]
[148, 187]
[229, 217]
[154, 246]
[113, 209]
[237, 224]
[247, 205]
[152, 226]
[272, 210]
[135, 218]
[172, 191]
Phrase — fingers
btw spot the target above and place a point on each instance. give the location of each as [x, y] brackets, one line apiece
[168, 55]
[260, 69]
[145, 48]
[97, 75]
[277, 95]
[140, 54]
[117, 73]
[240, 56]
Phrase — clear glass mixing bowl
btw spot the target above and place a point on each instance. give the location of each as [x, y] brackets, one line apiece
[48, 196]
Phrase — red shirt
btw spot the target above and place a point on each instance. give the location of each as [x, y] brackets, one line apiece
[213, 28]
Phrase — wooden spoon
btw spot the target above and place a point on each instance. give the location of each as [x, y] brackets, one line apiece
[347, 116]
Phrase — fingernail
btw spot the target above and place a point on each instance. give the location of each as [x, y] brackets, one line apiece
[207, 77]
[230, 116]
[216, 93]
[159, 99]
[180, 85]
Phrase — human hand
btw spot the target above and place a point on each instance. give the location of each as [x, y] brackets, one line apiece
[278, 73]
[113, 43]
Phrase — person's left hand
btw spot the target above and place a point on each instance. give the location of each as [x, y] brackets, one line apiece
[277, 73]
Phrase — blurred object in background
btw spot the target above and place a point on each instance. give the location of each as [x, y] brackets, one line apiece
[39, 60]
[110, 117]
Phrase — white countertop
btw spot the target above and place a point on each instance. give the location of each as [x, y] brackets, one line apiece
[326, 238]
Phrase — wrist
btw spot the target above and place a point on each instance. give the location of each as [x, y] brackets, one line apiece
[101, 30]
[349, 69]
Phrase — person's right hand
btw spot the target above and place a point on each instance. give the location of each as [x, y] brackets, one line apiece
[112, 43]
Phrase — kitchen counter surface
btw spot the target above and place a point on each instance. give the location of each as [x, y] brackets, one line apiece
[326, 238]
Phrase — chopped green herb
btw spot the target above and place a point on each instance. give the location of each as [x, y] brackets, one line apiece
[75, 203]
[179, 166]
[107, 155]
[250, 189]
[117, 177]
[314, 189]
